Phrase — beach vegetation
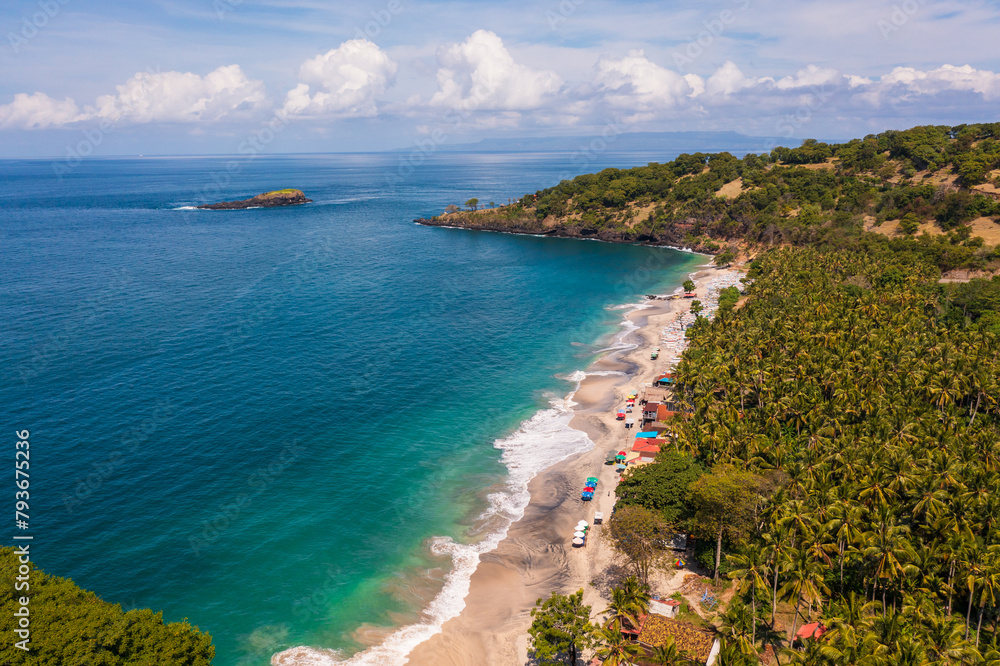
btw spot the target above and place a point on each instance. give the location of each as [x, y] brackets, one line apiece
[728, 298]
[725, 257]
[614, 649]
[472, 204]
[561, 629]
[640, 536]
[71, 625]
[662, 487]
[629, 602]
[689, 285]
[726, 503]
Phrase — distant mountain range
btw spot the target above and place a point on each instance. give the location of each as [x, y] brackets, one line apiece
[630, 141]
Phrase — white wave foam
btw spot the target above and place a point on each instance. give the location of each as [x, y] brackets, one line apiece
[619, 343]
[186, 208]
[628, 306]
[541, 441]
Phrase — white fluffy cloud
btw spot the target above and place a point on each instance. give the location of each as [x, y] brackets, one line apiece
[903, 83]
[634, 82]
[480, 74]
[348, 79]
[808, 76]
[644, 91]
[727, 80]
[481, 79]
[147, 97]
[38, 111]
[183, 97]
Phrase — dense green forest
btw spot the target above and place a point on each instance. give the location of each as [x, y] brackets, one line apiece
[845, 427]
[71, 626]
[817, 193]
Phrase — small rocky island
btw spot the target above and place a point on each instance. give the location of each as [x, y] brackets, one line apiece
[287, 197]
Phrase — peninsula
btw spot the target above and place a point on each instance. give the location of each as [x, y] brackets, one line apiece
[286, 197]
[934, 186]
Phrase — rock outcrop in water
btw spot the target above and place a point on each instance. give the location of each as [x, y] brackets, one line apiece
[288, 197]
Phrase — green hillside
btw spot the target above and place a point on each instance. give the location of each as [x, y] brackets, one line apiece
[938, 187]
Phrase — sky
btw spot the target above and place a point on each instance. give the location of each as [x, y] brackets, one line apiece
[117, 77]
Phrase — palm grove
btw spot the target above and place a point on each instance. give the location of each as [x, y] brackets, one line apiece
[843, 453]
[841, 461]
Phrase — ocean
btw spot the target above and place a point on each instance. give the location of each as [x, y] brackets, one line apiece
[295, 426]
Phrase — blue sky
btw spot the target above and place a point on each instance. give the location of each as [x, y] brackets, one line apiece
[209, 76]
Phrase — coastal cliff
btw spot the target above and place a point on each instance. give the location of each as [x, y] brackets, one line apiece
[286, 197]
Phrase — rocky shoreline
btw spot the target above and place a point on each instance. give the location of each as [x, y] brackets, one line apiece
[674, 237]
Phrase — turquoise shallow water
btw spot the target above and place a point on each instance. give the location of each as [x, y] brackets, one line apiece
[261, 420]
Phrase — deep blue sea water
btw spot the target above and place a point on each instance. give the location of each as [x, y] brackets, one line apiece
[289, 424]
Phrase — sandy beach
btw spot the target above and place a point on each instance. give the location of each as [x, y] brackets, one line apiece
[537, 557]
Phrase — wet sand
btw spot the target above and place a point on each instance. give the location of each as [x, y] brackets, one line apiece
[537, 557]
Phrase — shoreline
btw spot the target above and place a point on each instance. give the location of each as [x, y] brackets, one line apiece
[426, 222]
[536, 556]
[489, 568]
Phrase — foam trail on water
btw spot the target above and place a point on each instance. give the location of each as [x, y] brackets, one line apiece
[541, 441]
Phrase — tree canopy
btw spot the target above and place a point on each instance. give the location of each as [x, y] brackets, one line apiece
[662, 487]
[560, 629]
[641, 536]
[871, 391]
[74, 626]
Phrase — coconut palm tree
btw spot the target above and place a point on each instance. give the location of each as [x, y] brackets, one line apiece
[805, 581]
[749, 570]
[616, 650]
[637, 593]
[622, 609]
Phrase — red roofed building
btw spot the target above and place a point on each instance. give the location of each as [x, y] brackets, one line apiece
[811, 630]
[664, 413]
[646, 447]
